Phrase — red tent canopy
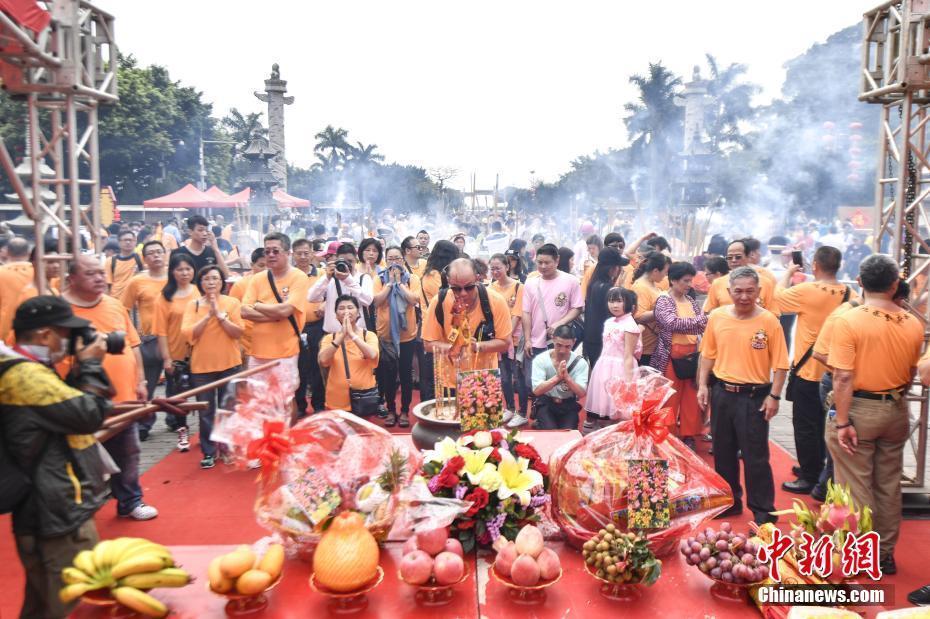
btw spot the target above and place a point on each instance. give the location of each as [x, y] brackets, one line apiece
[282, 199]
[26, 12]
[185, 197]
[221, 199]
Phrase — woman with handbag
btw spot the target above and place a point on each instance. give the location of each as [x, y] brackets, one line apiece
[679, 322]
[212, 325]
[351, 358]
[166, 324]
[646, 284]
[396, 294]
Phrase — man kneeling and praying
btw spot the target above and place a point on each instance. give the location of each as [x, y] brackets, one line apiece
[560, 377]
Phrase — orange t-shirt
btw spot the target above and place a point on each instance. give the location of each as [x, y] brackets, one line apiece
[880, 348]
[119, 271]
[107, 316]
[646, 297]
[435, 332]
[167, 321]
[13, 278]
[429, 285]
[719, 294]
[214, 350]
[361, 370]
[812, 302]
[513, 294]
[277, 340]
[745, 351]
[141, 293]
[685, 310]
[240, 286]
[825, 337]
[383, 317]
[311, 308]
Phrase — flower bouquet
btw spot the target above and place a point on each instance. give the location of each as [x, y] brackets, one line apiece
[479, 399]
[499, 473]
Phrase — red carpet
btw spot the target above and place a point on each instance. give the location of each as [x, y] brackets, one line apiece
[215, 507]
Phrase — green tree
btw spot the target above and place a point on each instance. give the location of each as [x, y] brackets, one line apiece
[332, 140]
[730, 106]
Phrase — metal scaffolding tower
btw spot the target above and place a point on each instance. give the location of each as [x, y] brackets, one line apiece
[896, 75]
[64, 70]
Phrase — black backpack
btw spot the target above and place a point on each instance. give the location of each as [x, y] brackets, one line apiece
[484, 332]
[15, 484]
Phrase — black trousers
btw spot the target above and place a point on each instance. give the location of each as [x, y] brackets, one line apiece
[390, 368]
[592, 352]
[427, 380]
[809, 422]
[552, 416]
[738, 426]
[309, 369]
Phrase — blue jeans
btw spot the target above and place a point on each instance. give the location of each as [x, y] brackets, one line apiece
[511, 376]
[208, 447]
[124, 448]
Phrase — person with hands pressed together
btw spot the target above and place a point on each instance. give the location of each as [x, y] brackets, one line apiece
[745, 349]
[560, 378]
[212, 325]
[361, 350]
[873, 352]
[86, 292]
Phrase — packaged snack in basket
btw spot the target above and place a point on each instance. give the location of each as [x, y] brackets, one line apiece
[324, 465]
[597, 480]
[479, 399]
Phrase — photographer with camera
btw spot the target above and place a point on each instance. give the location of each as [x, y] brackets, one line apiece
[86, 292]
[339, 279]
[51, 469]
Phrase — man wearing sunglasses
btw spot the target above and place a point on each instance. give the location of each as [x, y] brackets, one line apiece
[478, 349]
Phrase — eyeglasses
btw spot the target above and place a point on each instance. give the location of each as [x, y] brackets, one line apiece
[615, 245]
[274, 251]
[466, 288]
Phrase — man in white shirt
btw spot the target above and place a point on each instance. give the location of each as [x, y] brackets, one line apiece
[339, 278]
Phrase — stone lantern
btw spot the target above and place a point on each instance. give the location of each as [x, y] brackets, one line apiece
[259, 178]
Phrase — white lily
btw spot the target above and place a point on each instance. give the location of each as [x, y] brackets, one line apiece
[517, 478]
[445, 450]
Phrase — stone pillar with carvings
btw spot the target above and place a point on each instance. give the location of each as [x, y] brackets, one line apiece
[274, 97]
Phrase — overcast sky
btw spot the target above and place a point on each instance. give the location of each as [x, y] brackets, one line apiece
[504, 87]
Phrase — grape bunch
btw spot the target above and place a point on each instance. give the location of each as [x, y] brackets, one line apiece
[725, 555]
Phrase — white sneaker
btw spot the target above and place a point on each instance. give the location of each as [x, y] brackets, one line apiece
[517, 421]
[141, 512]
[184, 443]
[508, 415]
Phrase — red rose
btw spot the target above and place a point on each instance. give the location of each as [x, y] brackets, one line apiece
[447, 479]
[454, 465]
[469, 433]
[479, 500]
[495, 456]
[526, 451]
[496, 436]
[540, 466]
[465, 524]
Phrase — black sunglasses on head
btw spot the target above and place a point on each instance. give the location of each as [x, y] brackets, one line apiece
[467, 288]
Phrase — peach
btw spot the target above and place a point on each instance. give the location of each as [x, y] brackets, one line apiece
[416, 567]
[454, 546]
[432, 542]
[505, 558]
[529, 541]
[549, 564]
[409, 546]
[525, 571]
[449, 568]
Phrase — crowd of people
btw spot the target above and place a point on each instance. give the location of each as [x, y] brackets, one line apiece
[357, 322]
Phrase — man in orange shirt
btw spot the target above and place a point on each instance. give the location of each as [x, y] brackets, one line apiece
[86, 292]
[15, 275]
[811, 302]
[124, 265]
[745, 349]
[482, 350]
[139, 298]
[275, 304]
[737, 256]
[873, 353]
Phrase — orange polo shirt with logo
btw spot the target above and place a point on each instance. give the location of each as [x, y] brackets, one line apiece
[277, 340]
[880, 348]
[141, 293]
[167, 322]
[214, 350]
[744, 351]
[812, 302]
[107, 316]
[383, 316]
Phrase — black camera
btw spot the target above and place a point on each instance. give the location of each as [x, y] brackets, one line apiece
[116, 341]
[342, 266]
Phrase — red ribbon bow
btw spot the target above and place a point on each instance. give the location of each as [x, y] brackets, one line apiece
[653, 421]
[276, 443]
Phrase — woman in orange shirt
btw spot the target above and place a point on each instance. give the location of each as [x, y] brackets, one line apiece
[212, 326]
[511, 362]
[361, 349]
[166, 324]
[652, 270]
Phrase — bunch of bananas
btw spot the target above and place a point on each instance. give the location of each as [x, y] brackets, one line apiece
[126, 566]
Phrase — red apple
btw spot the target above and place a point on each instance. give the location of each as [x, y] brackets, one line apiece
[416, 568]
[449, 568]
[432, 542]
[525, 571]
[454, 546]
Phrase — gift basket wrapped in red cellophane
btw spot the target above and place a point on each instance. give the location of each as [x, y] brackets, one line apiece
[635, 475]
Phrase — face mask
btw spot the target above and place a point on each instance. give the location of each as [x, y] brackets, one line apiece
[41, 353]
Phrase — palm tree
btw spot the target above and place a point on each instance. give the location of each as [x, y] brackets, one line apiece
[654, 123]
[244, 127]
[731, 104]
[358, 161]
[332, 140]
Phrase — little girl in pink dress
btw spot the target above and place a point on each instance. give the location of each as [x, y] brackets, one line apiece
[623, 346]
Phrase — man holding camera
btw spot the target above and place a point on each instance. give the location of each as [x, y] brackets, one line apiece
[339, 278]
[86, 292]
[52, 467]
